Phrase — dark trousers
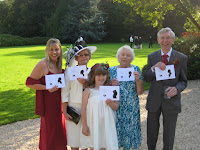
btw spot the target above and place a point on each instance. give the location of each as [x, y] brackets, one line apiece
[131, 44]
[169, 127]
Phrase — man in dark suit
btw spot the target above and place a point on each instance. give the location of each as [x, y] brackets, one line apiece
[157, 103]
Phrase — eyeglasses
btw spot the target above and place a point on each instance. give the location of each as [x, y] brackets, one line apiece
[81, 55]
[165, 38]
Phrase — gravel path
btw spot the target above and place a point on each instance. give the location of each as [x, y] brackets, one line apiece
[24, 135]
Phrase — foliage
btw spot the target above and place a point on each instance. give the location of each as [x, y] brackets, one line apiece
[155, 10]
[53, 26]
[144, 68]
[122, 21]
[10, 40]
[189, 44]
[17, 102]
[83, 19]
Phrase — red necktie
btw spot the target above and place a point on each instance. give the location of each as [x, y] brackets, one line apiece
[164, 59]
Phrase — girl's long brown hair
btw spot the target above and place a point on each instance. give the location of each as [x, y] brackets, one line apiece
[98, 69]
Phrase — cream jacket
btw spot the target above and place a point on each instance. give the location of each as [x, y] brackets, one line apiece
[72, 92]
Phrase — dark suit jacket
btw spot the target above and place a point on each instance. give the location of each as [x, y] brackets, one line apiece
[155, 98]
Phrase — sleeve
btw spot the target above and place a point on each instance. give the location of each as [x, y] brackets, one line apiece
[182, 81]
[138, 69]
[111, 73]
[31, 81]
[65, 91]
[149, 75]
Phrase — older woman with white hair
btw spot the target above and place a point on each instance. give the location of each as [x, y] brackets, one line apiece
[128, 115]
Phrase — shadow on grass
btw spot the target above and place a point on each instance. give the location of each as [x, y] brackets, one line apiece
[17, 105]
[36, 54]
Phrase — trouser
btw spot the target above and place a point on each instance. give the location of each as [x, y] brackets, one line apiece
[169, 127]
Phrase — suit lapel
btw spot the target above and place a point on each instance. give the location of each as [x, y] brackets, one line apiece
[157, 57]
[172, 57]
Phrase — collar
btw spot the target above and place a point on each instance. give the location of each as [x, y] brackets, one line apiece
[169, 53]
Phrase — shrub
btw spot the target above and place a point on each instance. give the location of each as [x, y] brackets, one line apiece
[11, 40]
[190, 46]
[144, 69]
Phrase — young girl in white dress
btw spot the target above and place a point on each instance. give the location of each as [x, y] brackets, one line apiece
[98, 116]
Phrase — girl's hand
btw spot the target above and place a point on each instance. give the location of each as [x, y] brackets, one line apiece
[109, 102]
[113, 104]
[53, 89]
[115, 82]
[67, 116]
[86, 131]
[81, 80]
[137, 75]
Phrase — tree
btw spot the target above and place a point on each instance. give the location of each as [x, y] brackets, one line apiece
[155, 10]
[83, 19]
[27, 17]
[5, 11]
[53, 26]
[122, 21]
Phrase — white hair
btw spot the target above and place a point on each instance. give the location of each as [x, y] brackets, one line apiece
[167, 29]
[125, 47]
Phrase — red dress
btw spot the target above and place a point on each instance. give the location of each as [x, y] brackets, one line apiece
[53, 123]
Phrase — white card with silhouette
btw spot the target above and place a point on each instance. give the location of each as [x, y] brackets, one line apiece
[125, 74]
[77, 72]
[109, 92]
[168, 73]
[55, 79]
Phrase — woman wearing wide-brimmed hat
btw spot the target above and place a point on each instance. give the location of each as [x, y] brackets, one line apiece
[72, 93]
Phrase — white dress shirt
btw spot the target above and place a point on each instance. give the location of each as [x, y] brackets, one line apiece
[169, 54]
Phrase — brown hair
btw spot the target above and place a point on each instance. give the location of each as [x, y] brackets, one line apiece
[98, 69]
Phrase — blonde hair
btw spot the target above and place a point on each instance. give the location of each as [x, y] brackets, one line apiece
[125, 47]
[50, 42]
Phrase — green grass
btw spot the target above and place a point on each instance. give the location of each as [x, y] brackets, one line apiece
[17, 102]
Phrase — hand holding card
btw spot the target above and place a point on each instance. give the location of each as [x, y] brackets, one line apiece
[77, 72]
[55, 80]
[109, 92]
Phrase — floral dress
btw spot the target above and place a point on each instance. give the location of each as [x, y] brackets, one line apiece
[128, 115]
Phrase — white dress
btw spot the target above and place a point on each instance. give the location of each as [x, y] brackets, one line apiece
[101, 123]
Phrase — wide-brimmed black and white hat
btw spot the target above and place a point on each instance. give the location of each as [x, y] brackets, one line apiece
[72, 52]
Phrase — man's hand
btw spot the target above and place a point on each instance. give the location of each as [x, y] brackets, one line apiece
[160, 65]
[172, 91]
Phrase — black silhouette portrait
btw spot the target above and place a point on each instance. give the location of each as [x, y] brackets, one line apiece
[50, 83]
[104, 95]
[59, 80]
[130, 74]
[121, 76]
[82, 72]
[114, 94]
[169, 71]
[73, 75]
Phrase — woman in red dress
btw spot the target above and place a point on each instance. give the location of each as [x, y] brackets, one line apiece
[48, 101]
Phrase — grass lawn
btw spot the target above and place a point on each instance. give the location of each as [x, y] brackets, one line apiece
[17, 102]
